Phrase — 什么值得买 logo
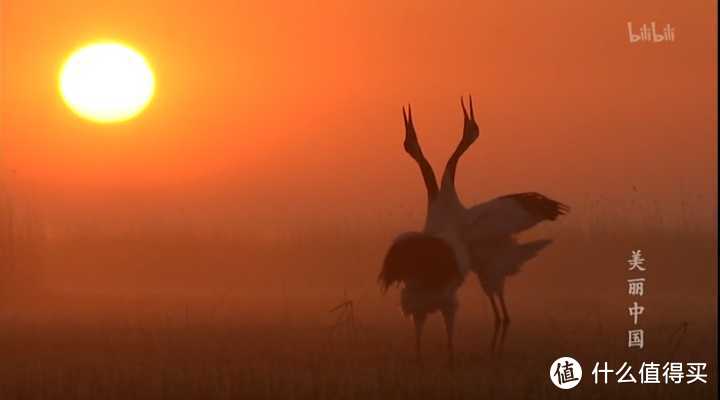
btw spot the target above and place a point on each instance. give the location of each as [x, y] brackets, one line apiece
[565, 372]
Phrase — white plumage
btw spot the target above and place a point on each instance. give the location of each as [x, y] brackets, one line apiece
[478, 239]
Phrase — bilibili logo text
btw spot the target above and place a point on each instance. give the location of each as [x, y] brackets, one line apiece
[651, 33]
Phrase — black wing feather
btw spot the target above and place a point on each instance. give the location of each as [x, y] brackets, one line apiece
[425, 260]
[539, 205]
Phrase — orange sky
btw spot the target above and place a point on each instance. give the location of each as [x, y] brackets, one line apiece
[286, 113]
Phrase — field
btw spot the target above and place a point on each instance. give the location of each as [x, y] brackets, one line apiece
[259, 336]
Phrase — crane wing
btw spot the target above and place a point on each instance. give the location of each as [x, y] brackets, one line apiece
[422, 259]
[509, 215]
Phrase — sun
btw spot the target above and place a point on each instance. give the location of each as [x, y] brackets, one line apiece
[106, 82]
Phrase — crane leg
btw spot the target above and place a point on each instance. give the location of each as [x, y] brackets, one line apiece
[497, 323]
[449, 318]
[419, 320]
[505, 319]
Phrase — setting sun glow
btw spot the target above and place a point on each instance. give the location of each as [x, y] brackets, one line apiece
[106, 82]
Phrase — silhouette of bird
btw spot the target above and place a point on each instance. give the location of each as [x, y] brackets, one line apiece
[425, 264]
[494, 252]
[426, 267]
[480, 239]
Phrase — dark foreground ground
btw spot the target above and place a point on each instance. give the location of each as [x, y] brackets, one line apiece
[197, 359]
[263, 337]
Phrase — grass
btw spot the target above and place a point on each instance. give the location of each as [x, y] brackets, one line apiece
[195, 359]
[210, 320]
